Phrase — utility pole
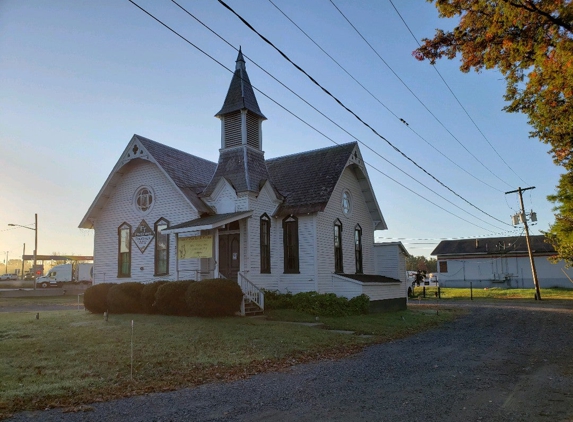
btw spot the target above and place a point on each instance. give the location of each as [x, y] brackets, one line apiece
[36, 246]
[524, 218]
[23, 253]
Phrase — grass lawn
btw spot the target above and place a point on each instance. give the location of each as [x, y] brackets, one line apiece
[40, 301]
[71, 357]
[493, 293]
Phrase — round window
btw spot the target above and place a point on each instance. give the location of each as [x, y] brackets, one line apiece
[143, 199]
[346, 202]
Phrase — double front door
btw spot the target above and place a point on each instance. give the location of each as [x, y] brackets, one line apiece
[229, 255]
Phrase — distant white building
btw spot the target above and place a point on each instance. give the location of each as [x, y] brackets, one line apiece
[499, 262]
[298, 223]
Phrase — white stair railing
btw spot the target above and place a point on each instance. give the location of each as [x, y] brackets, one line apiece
[252, 292]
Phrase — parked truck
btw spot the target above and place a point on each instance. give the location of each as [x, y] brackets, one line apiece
[66, 273]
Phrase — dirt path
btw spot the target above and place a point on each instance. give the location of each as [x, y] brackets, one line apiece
[498, 363]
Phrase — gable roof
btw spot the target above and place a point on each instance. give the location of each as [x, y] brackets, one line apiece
[493, 246]
[240, 95]
[307, 180]
[187, 172]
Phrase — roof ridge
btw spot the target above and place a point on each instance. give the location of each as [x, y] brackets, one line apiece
[143, 138]
[313, 151]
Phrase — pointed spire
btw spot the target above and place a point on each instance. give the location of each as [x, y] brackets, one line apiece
[240, 62]
[240, 94]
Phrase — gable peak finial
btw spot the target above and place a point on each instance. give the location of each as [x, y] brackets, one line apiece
[240, 62]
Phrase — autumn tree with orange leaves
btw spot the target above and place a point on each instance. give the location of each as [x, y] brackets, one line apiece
[531, 43]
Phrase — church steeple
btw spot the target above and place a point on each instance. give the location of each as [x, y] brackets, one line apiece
[241, 117]
[241, 158]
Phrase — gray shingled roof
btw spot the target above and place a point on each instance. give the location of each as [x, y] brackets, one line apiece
[243, 167]
[368, 278]
[240, 94]
[185, 169]
[307, 180]
[493, 245]
[190, 173]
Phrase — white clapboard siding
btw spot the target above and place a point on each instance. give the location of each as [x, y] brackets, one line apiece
[390, 261]
[359, 215]
[305, 280]
[384, 291]
[265, 202]
[168, 203]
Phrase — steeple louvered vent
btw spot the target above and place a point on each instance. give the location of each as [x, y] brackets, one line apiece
[232, 137]
[253, 138]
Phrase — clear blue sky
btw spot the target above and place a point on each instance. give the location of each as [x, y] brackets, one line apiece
[79, 78]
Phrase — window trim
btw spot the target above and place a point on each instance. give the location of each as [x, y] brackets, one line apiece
[120, 257]
[156, 225]
[295, 269]
[443, 266]
[338, 256]
[265, 243]
[151, 203]
[358, 255]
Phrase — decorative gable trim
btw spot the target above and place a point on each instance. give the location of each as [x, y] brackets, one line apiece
[133, 151]
[358, 166]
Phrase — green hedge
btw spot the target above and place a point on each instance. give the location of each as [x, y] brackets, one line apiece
[170, 298]
[95, 297]
[276, 300]
[325, 304]
[125, 298]
[214, 298]
[148, 296]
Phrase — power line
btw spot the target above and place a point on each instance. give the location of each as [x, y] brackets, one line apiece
[415, 96]
[380, 102]
[302, 120]
[353, 113]
[455, 96]
[328, 118]
[506, 233]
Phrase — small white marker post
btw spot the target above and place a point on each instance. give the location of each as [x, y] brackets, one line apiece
[132, 350]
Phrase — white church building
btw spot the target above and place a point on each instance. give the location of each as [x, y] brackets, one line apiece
[302, 222]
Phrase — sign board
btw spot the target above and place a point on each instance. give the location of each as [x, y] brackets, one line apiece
[195, 247]
[142, 236]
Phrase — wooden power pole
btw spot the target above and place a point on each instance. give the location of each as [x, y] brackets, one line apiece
[524, 218]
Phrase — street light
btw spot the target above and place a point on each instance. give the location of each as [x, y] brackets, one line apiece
[35, 242]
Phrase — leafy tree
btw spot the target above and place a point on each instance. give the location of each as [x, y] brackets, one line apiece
[531, 43]
[415, 263]
[560, 233]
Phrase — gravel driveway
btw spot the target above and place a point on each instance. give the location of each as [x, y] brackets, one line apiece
[498, 363]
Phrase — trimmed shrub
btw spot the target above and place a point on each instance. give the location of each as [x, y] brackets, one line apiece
[95, 297]
[326, 304]
[125, 298]
[359, 305]
[148, 296]
[214, 298]
[170, 298]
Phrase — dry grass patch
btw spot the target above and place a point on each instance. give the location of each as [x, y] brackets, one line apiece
[70, 358]
[67, 357]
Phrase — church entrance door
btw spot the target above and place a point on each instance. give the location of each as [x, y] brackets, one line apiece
[229, 255]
